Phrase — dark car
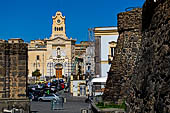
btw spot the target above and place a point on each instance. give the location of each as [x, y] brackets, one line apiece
[31, 96]
[36, 94]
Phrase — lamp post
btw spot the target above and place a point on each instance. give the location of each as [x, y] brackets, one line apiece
[50, 64]
[68, 73]
[43, 67]
[67, 65]
[57, 66]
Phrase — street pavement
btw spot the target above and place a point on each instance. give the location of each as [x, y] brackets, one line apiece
[72, 105]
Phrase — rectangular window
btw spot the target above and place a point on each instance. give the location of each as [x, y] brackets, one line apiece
[112, 51]
[38, 57]
[88, 67]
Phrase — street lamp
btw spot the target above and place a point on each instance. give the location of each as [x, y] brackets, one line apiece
[68, 72]
[67, 65]
[50, 64]
[58, 66]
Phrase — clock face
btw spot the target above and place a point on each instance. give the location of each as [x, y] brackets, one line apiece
[58, 21]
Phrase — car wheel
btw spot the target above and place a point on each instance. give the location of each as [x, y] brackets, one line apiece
[40, 100]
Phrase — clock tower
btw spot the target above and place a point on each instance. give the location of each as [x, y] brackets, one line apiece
[58, 27]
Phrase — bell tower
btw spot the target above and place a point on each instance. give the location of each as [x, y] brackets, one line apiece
[58, 26]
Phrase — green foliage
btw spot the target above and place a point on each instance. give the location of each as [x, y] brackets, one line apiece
[100, 104]
[36, 73]
[111, 105]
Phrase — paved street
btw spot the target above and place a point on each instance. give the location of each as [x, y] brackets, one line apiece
[73, 105]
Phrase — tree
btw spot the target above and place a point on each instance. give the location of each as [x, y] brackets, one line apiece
[36, 73]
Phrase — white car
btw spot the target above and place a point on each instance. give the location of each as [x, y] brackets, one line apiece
[49, 97]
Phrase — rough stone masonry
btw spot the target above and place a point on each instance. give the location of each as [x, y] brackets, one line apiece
[129, 28]
[13, 75]
[149, 78]
[150, 85]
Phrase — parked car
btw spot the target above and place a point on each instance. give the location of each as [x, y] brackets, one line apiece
[53, 89]
[49, 97]
[31, 96]
[37, 93]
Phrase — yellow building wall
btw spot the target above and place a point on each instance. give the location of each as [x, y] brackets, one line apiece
[33, 63]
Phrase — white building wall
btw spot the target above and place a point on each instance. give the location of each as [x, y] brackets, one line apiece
[105, 39]
[104, 69]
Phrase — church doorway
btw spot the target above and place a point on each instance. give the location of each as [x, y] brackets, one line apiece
[58, 73]
[59, 68]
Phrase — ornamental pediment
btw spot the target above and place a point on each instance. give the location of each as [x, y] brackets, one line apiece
[58, 40]
[59, 15]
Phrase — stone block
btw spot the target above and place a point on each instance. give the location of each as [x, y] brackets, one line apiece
[22, 85]
[2, 79]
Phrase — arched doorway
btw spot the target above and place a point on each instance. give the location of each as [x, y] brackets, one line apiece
[59, 68]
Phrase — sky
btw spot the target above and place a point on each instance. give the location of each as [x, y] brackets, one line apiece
[32, 19]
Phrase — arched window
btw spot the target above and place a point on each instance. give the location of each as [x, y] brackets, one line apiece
[38, 57]
[55, 29]
[58, 53]
[61, 28]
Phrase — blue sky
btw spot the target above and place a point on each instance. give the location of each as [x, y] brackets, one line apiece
[32, 19]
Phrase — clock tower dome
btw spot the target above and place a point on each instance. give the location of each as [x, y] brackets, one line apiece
[58, 26]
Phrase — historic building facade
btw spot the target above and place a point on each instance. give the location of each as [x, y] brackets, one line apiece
[54, 57]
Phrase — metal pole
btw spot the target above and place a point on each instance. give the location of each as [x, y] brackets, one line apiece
[43, 68]
[58, 74]
[36, 69]
[50, 74]
[52, 70]
[69, 75]
[58, 77]
[67, 72]
[36, 63]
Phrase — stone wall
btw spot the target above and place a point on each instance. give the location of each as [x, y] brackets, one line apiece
[150, 85]
[129, 27]
[143, 66]
[13, 73]
[13, 66]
